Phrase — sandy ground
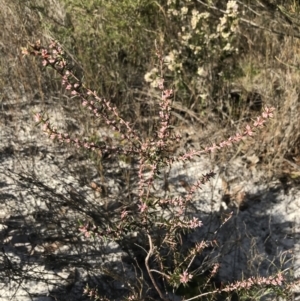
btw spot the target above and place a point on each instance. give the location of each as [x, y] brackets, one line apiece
[44, 191]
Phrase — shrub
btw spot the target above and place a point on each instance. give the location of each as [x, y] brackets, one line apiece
[153, 227]
[201, 42]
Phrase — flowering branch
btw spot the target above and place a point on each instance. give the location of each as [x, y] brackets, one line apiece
[248, 132]
[55, 58]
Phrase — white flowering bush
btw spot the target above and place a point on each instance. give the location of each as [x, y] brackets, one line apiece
[204, 40]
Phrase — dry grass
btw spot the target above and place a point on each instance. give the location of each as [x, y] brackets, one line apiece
[268, 68]
[19, 77]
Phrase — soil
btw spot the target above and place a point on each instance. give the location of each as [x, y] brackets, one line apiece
[46, 188]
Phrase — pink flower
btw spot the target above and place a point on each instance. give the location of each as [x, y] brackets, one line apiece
[200, 246]
[124, 213]
[44, 53]
[195, 223]
[213, 148]
[52, 44]
[84, 230]
[268, 112]
[37, 117]
[167, 94]
[143, 207]
[185, 277]
[259, 122]
[237, 137]
[248, 131]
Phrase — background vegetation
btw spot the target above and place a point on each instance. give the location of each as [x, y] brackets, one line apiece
[225, 66]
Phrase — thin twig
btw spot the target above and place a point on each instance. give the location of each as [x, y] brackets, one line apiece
[156, 271]
[201, 295]
[150, 252]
